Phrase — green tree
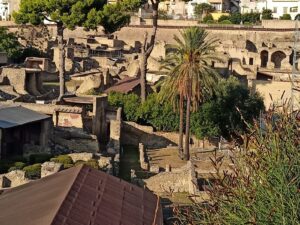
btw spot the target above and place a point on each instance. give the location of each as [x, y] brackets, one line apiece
[9, 44]
[190, 73]
[113, 17]
[203, 9]
[235, 18]
[223, 17]
[267, 14]
[226, 113]
[65, 14]
[208, 18]
[286, 17]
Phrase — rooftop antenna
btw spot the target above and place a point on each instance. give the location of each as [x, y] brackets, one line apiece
[294, 70]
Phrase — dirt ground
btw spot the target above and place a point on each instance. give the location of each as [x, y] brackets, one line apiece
[202, 160]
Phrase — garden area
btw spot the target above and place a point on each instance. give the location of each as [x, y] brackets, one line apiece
[32, 165]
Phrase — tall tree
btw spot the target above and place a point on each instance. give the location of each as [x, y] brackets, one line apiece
[65, 14]
[9, 44]
[191, 74]
[147, 47]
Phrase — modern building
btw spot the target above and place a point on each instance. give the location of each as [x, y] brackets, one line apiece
[278, 7]
[7, 7]
[79, 196]
[22, 130]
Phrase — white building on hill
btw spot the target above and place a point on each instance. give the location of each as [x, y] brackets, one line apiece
[7, 7]
[278, 7]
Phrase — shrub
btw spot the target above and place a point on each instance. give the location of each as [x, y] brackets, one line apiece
[33, 171]
[92, 163]
[160, 115]
[264, 185]
[225, 22]
[223, 17]
[286, 17]
[19, 165]
[129, 103]
[235, 18]
[39, 158]
[250, 17]
[267, 14]
[207, 18]
[63, 159]
[12, 169]
[210, 22]
[67, 166]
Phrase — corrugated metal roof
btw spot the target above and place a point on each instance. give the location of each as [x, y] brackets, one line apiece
[17, 115]
[85, 197]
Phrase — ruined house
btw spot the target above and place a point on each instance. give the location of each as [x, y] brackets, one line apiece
[80, 195]
[23, 131]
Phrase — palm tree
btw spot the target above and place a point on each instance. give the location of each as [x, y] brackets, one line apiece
[191, 76]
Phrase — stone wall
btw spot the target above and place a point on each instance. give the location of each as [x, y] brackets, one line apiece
[276, 92]
[279, 24]
[13, 179]
[133, 134]
[183, 180]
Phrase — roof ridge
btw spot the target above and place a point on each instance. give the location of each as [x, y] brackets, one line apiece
[79, 169]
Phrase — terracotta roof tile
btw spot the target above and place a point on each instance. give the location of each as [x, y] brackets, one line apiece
[79, 196]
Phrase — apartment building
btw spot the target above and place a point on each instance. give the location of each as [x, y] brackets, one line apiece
[7, 7]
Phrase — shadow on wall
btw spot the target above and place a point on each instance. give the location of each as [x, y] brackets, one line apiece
[133, 135]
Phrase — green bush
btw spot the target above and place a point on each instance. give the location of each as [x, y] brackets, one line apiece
[248, 24]
[39, 158]
[33, 171]
[67, 166]
[286, 17]
[63, 159]
[267, 14]
[207, 18]
[92, 163]
[223, 17]
[129, 103]
[210, 22]
[250, 17]
[161, 116]
[235, 18]
[17, 166]
[225, 22]
[12, 169]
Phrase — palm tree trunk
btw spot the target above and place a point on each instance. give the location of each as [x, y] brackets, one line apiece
[187, 130]
[181, 114]
[61, 57]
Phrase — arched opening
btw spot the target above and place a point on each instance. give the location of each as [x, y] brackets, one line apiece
[264, 56]
[277, 58]
[250, 46]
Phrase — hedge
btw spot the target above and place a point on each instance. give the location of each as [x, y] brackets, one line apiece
[33, 171]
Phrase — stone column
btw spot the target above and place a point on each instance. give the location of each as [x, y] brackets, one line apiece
[45, 132]
[99, 119]
[0, 143]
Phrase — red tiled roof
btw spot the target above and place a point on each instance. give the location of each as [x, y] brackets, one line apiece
[79, 196]
[125, 85]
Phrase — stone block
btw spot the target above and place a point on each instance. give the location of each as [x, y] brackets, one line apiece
[154, 169]
[84, 156]
[49, 168]
[104, 161]
[15, 178]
